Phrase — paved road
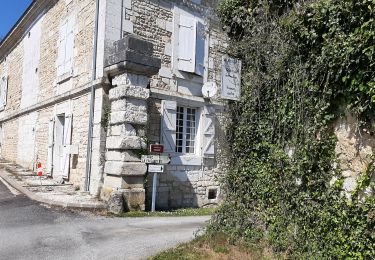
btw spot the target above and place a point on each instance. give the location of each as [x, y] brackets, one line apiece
[31, 231]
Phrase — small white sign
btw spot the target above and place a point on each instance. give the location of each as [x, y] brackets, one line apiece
[231, 78]
[150, 158]
[156, 168]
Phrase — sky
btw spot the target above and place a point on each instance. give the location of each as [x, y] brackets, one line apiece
[10, 12]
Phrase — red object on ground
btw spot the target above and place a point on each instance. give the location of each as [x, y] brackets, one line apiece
[40, 171]
[156, 148]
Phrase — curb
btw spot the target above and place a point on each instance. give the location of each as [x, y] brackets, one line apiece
[33, 196]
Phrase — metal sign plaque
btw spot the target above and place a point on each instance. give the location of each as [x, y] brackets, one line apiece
[156, 148]
[150, 158]
[231, 78]
[161, 159]
[156, 168]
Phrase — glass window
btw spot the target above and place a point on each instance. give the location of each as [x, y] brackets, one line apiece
[186, 128]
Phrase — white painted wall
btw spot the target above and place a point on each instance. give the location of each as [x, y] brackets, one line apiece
[30, 79]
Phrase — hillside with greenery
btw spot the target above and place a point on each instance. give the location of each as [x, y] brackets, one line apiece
[305, 63]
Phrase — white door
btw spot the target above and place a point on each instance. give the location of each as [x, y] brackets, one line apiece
[58, 147]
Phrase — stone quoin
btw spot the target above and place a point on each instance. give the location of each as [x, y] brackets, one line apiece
[87, 86]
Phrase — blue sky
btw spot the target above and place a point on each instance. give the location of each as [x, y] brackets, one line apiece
[10, 12]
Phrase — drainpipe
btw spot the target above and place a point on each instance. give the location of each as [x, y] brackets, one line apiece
[92, 102]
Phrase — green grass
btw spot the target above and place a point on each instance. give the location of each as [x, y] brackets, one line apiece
[215, 247]
[172, 213]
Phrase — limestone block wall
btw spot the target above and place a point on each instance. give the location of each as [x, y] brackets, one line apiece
[125, 138]
[180, 185]
[24, 137]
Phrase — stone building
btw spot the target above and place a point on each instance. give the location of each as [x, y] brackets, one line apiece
[87, 85]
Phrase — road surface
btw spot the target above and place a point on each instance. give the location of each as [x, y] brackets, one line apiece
[31, 231]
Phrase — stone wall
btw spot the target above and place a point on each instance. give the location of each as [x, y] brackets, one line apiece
[355, 148]
[180, 185]
[18, 143]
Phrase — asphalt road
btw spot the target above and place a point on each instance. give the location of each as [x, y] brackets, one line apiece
[31, 231]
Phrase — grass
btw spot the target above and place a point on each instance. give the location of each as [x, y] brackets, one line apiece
[215, 247]
[172, 213]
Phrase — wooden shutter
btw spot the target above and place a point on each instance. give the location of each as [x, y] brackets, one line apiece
[67, 143]
[186, 44]
[51, 130]
[200, 47]
[168, 129]
[3, 91]
[69, 46]
[208, 138]
[61, 48]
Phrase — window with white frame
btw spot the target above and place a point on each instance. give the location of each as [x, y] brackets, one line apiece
[186, 129]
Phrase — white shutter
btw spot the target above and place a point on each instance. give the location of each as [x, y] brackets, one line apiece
[187, 44]
[69, 46]
[67, 143]
[200, 47]
[61, 49]
[51, 130]
[208, 138]
[3, 91]
[168, 129]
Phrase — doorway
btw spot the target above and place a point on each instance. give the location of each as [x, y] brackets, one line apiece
[58, 151]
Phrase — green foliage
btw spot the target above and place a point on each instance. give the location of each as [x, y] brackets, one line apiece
[106, 116]
[305, 63]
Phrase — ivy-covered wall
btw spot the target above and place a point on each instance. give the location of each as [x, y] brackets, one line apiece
[301, 137]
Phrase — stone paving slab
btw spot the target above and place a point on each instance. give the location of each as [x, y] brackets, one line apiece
[46, 190]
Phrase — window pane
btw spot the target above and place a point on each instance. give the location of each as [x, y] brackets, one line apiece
[185, 129]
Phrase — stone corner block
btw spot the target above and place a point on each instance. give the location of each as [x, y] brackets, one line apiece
[123, 91]
[125, 168]
[125, 143]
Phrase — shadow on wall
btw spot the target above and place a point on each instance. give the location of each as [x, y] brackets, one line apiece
[173, 191]
[184, 189]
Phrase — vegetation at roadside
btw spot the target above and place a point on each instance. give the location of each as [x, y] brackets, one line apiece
[305, 64]
[215, 247]
[173, 213]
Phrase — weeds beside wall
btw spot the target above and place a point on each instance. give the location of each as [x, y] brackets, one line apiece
[305, 65]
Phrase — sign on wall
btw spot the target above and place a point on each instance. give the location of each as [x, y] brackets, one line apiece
[231, 78]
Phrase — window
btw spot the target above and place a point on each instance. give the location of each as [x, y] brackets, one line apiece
[3, 91]
[66, 46]
[186, 129]
[191, 44]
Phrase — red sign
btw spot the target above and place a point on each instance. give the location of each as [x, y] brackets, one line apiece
[156, 148]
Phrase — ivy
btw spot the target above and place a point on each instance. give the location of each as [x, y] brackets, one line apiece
[306, 63]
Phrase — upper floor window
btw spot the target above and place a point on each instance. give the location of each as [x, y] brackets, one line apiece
[186, 128]
[65, 47]
[191, 43]
[3, 91]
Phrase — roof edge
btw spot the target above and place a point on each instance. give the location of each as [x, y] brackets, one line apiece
[21, 26]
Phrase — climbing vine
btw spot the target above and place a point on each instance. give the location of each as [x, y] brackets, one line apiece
[305, 64]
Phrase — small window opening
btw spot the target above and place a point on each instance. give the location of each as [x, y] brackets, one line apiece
[212, 194]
